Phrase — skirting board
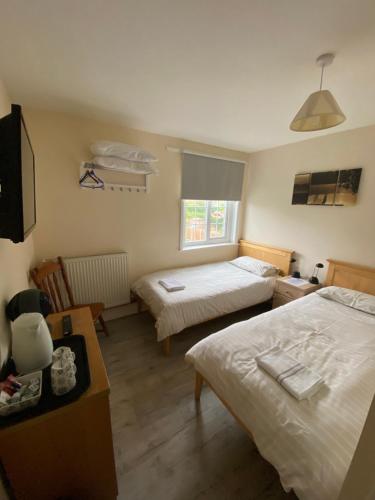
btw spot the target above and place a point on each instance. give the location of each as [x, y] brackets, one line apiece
[120, 311]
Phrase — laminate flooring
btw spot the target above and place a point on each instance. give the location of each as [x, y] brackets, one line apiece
[166, 446]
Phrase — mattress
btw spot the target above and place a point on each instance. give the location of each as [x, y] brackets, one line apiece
[309, 442]
[212, 290]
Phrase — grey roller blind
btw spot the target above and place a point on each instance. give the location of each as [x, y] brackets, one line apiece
[205, 178]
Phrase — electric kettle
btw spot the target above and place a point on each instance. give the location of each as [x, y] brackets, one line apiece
[32, 345]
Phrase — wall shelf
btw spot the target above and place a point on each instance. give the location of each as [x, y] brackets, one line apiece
[115, 180]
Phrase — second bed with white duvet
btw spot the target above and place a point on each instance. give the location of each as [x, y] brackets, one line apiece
[310, 442]
[211, 290]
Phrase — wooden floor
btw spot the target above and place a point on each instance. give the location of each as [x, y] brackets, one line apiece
[166, 447]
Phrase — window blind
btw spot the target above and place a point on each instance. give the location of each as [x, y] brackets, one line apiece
[206, 178]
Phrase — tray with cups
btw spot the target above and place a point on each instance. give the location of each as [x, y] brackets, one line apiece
[64, 381]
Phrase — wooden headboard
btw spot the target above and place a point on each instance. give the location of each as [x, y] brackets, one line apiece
[279, 257]
[351, 276]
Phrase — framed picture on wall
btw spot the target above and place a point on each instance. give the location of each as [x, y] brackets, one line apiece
[334, 187]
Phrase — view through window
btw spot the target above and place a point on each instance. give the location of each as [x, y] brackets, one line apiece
[206, 222]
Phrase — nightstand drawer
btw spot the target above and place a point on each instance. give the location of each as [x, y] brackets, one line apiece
[279, 300]
[290, 291]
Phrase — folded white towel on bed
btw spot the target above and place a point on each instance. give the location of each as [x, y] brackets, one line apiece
[171, 285]
[296, 378]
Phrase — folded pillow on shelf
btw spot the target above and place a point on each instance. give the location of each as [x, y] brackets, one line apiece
[123, 151]
[121, 165]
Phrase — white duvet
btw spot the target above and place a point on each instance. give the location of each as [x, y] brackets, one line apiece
[310, 442]
[212, 290]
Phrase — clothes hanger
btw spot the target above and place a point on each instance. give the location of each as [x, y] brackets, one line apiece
[85, 176]
[98, 182]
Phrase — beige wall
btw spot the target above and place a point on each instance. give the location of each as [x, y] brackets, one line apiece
[14, 262]
[73, 221]
[314, 232]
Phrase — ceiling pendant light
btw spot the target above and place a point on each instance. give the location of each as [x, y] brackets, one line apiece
[320, 110]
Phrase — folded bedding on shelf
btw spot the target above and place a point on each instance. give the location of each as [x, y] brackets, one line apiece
[121, 150]
[127, 166]
[296, 378]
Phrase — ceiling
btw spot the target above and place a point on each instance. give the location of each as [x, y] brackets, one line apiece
[231, 73]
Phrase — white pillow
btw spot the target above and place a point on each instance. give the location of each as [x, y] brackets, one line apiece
[255, 266]
[351, 298]
[121, 150]
[121, 165]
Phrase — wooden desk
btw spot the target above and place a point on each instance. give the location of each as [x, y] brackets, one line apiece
[68, 452]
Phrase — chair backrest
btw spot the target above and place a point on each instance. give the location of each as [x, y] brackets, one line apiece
[50, 277]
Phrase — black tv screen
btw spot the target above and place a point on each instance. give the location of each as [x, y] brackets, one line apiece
[17, 178]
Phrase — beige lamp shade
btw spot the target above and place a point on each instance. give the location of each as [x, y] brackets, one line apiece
[319, 111]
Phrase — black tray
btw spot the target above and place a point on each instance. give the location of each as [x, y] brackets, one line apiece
[49, 401]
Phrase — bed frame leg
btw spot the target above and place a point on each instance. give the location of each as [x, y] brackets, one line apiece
[198, 386]
[167, 346]
[139, 304]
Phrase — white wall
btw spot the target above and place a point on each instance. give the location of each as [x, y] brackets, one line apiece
[314, 232]
[15, 261]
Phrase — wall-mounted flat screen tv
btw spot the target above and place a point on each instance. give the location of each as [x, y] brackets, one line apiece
[17, 178]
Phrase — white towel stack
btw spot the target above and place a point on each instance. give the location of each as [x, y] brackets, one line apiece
[171, 285]
[298, 380]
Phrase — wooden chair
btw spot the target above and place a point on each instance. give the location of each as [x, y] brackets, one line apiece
[49, 276]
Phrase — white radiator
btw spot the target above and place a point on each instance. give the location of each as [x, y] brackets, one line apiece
[99, 278]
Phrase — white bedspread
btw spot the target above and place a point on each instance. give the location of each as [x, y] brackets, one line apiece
[212, 290]
[309, 442]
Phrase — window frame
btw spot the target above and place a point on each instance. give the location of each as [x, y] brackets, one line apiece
[231, 227]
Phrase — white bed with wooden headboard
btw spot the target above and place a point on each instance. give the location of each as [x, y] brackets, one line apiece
[310, 442]
[212, 290]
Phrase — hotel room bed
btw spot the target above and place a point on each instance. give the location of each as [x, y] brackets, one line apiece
[212, 290]
[309, 442]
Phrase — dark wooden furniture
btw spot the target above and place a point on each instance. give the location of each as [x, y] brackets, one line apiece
[68, 452]
[51, 277]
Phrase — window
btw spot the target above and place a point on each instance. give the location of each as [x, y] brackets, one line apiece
[206, 222]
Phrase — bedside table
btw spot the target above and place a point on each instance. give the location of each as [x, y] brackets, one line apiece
[286, 292]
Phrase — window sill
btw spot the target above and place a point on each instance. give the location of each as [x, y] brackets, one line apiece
[202, 247]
